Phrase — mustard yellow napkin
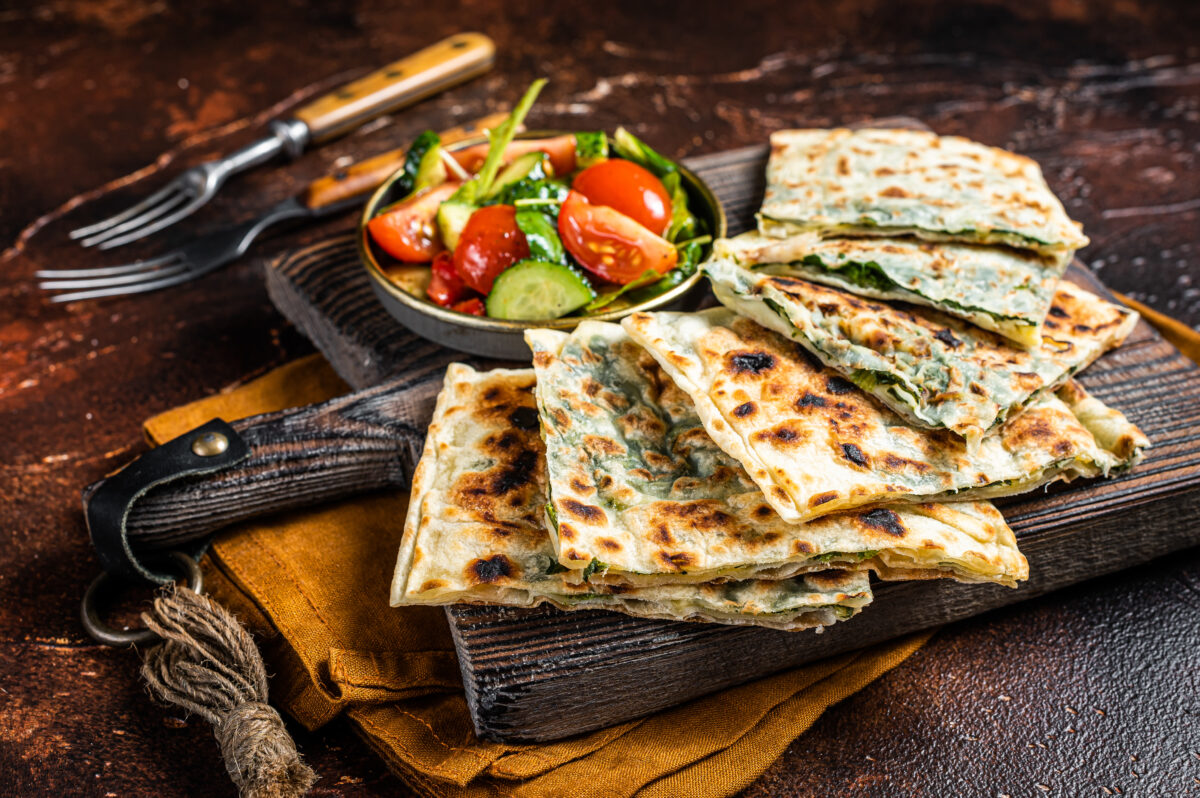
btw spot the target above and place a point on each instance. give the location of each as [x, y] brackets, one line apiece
[313, 586]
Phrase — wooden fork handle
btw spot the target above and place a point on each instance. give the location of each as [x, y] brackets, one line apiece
[366, 176]
[437, 67]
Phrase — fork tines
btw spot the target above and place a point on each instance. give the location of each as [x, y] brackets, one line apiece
[161, 209]
[130, 278]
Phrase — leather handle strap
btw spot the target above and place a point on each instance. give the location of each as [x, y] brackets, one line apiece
[175, 496]
[107, 504]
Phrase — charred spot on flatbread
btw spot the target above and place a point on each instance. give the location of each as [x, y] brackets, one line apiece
[515, 475]
[884, 520]
[524, 418]
[510, 478]
[809, 399]
[751, 362]
[838, 385]
[854, 454]
[744, 409]
[947, 337]
[491, 569]
[584, 512]
[821, 498]
[676, 561]
[603, 445]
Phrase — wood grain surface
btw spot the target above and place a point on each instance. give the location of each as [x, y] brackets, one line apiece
[1089, 690]
[529, 673]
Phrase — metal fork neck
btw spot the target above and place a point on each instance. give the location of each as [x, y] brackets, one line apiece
[294, 135]
[287, 137]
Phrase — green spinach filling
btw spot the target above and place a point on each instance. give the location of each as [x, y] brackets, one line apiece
[871, 276]
[844, 555]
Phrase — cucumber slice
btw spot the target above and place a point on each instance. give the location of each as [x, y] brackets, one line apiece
[431, 171]
[590, 148]
[452, 217]
[534, 290]
[523, 167]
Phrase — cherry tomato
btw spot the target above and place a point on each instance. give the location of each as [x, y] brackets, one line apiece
[446, 288]
[631, 189]
[473, 306]
[408, 232]
[489, 244]
[608, 243]
[561, 150]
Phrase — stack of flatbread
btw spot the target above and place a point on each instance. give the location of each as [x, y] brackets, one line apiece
[895, 347]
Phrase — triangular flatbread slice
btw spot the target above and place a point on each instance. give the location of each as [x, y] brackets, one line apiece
[475, 529]
[910, 182]
[641, 494]
[935, 371]
[815, 444]
[1004, 290]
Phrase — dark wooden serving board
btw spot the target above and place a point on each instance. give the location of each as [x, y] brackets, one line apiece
[541, 674]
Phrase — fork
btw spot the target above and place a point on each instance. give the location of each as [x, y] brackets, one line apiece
[437, 67]
[324, 196]
[192, 260]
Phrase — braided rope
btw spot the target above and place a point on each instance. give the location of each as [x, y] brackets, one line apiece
[208, 665]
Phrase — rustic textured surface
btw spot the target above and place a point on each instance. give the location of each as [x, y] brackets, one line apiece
[1103, 94]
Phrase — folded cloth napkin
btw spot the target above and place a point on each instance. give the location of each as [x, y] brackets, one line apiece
[313, 586]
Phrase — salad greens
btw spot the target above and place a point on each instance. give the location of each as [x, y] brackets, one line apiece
[541, 234]
[498, 139]
[591, 147]
[422, 163]
[568, 276]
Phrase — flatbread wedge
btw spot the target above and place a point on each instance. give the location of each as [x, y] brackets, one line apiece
[935, 371]
[475, 528]
[909, 182]
[815, 444]
[641, 494]
[1004, 290]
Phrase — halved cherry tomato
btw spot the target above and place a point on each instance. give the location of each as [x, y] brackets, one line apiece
[446, 288]
[408, 232]
[561, 150]
[489, 244]
[608, 243]
[473, 306]
[631, 189]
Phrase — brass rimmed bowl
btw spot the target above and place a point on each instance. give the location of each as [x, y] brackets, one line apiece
[401, 287]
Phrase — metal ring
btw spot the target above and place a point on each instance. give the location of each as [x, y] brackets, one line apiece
[106, 635]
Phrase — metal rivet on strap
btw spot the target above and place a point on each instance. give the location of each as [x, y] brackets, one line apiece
[210, 444]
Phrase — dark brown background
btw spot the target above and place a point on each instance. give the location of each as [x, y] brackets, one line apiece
[1092, 691]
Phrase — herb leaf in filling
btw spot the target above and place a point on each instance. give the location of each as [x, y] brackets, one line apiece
[1004, 290]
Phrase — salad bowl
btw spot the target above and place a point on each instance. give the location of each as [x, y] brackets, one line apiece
[401, 288]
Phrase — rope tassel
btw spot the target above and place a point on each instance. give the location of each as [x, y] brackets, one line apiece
[208, 665]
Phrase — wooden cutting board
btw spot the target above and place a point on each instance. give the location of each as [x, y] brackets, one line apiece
[541, 674]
